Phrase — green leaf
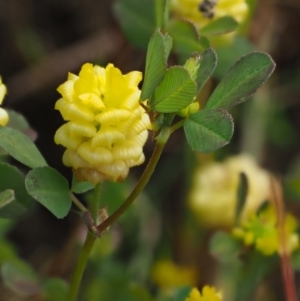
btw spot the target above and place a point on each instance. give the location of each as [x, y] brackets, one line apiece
[9, 207]
[17, 121]
[229, 54]
[242, 80]
[185, 37]
[49, 188]
[208, 130]
[55, 289]
[12, 178]
[168, 45]
[242, 193]
[20, 278]
[81, 187]
[296, 260]
[155, 64]
[192, 65]
[224, 247]
[220, 26]
[21, 148]
[137, 19]
[254, 270]
[208, 63]
[176, 91]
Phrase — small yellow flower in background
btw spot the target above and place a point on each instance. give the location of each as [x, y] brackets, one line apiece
[3, 114]
[106, 128]
[168, 275]
[208, 294]
[213, 196]
[203, 12]
[261, 231]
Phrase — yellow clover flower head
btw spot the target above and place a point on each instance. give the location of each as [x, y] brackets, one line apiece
[209, 293]
[213, 196]
[168, 275]
[202, 12]
[106, 128]
[3, 114]
[261, 230]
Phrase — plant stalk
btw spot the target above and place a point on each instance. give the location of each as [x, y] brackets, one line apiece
[87, 247]
[142, 182]
[80, 267]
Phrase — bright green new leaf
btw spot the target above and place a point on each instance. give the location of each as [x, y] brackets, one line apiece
[12, 178]
[208, 130]
[242, 80]
[155, 64]
[51, 189]
[176, 91]
[9, 207]
[185, 37]
[137, 19]
[192, 65]
[21, 147]
[220, 26]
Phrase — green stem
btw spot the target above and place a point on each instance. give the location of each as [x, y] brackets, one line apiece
[177, 125]
[81, 263]
[161, 141]
[94, 205]
[87, 247]
[78, 203]
[162, 13]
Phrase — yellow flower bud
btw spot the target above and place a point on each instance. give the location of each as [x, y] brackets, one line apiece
[106, 128]
[3, 114]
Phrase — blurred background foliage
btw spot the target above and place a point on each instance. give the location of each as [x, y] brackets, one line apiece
[158, 243]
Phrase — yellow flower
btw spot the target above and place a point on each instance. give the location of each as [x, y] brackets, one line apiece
[213, 195]
[168, 275]
[261, 230]
[106, 128]
[3, 114]
[203, 12]
[208, 294]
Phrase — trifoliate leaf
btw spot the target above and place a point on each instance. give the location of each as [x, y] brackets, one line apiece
[176, 91]
[208, 130]
[242, 80]
[51, 189]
